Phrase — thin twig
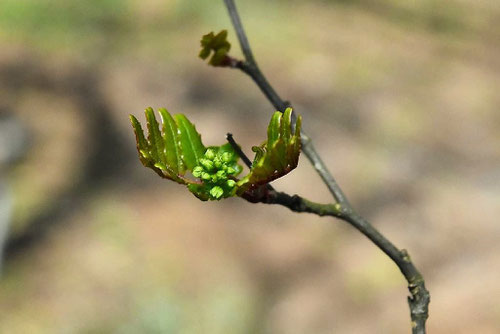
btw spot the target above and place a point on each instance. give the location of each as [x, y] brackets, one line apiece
[237, 149]
[420, 297]
[242, 37]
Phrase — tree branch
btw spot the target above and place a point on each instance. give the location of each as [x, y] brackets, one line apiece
[242, 37]
[250, 67]
[420, 297]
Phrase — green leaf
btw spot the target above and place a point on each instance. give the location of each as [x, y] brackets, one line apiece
[277, 156]
[259, 153]
[157, 146]
[217, 45]
[295, 144]
[204, 53]
[142, 144]
[162, 150]
[190, 142]
[286, 127]
[170, 136]
[220, 39]
[273, 130]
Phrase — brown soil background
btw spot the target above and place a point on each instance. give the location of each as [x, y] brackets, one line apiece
[402, 100]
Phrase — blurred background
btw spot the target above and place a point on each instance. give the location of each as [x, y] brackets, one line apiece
[402, 100]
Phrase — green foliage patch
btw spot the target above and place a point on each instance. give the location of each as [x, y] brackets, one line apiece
[176, 149]
[278, 155]
[215, 45]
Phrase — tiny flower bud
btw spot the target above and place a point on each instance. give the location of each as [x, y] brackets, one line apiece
[226, 157]
[208, 164]
[216, 192]
[217, 162]
[231, 183]
[221, 174]
[197, 171]
[210, 154]
[231, 170]
[206, 176]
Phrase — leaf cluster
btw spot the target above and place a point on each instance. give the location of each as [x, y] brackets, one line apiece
[171, 151]
[215, 45]
[176, 152]
[278, 155]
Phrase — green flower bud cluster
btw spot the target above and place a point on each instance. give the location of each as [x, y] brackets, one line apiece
[215, 170]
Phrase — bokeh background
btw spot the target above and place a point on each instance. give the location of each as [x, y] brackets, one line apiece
[401, 97]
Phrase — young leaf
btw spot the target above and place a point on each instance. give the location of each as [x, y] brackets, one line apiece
[157, 146]
[142, 144]
[286, 127]
[278, 156]
[190, 142]
[171, 138]
[273, 130]
[162, 150]
[216, 44]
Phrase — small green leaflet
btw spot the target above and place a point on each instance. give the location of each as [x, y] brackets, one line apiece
[190, 142]
[217, 45]
[169, 151]
[170, 138]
